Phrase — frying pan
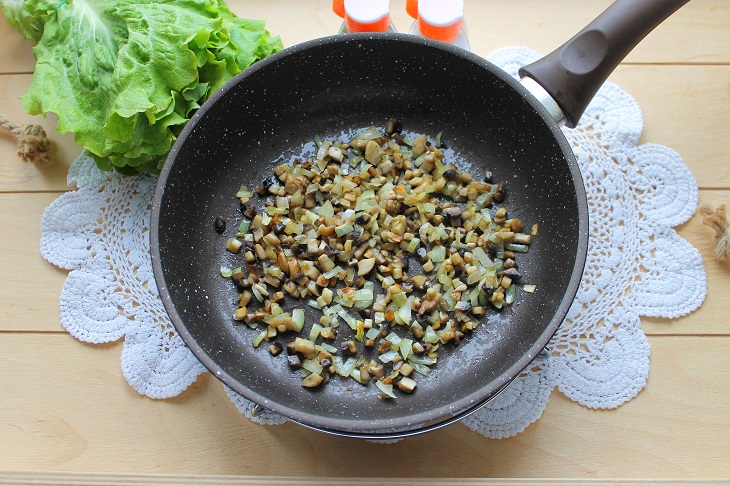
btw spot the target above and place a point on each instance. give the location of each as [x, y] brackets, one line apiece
[490, 121]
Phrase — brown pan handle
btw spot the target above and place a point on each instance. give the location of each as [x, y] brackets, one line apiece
[573, 73]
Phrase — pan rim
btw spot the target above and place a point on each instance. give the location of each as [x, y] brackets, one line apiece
[407, 424]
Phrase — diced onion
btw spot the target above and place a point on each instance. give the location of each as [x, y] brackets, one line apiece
[509, 295]
[244, 226]
[430, 336]
[404, 313]
[327, 348]
[351, 321]
[244, 192]
[423, 360]
[346, 368]
[314, 332]
[517, 247]
[370, 134]
[312, 365]
[326, 210]
[388, 357]
[422, 369]
[438, 254]
[387, 389]
[372, 333]
[297, 317]
[406, 348]
[257, 340]
[393, 338]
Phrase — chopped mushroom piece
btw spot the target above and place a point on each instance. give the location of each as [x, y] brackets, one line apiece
[418, 348]
[220, 224]
[276, 348]
[407, 384]
[294, 361]
[233, 245]
[377, 370]
[365, 266]
[406, 369]
[393, 125]
[419, 144]
[372, 152]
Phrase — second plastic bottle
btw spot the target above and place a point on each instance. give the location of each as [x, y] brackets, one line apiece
[364, 15]
[442, 20]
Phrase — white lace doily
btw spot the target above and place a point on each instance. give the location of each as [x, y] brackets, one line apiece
[637, 266]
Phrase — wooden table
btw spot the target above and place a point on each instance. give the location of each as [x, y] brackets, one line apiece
[66, 409]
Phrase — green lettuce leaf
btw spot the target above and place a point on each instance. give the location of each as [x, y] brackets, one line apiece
[126, 75]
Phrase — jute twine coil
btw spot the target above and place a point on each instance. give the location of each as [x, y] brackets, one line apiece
[717, 220]
[33, 144]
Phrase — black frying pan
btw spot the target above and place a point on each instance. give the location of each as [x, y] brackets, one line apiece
[488, 119]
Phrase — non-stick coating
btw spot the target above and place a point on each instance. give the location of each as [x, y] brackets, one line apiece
[323, 87]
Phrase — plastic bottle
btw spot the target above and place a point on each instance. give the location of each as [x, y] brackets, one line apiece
[442, 20]
[338, 7]
[364, 15]
[412, 9]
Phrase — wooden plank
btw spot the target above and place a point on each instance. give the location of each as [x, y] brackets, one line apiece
[16, 56]
[695, 34]
[69, 409]
[685, 108]
[110, 479]
[682, 38]
[31, 283]
[31, 286]
[16, 175]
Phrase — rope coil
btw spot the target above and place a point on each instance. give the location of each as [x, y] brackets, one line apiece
[717, 220]
[33, 144]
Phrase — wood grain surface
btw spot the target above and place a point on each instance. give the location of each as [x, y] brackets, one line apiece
[67, 415]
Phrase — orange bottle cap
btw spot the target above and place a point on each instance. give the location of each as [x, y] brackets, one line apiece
[367, 15]
[338, 7]
[412, 8]
[440, 19]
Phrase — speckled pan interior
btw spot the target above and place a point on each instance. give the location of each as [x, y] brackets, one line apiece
[325, 86]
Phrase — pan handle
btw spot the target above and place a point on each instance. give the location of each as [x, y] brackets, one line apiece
[573, 73]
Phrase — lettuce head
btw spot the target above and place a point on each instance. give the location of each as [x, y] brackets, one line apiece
[126, 75]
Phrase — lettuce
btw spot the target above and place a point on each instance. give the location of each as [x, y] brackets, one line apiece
[126, 75]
